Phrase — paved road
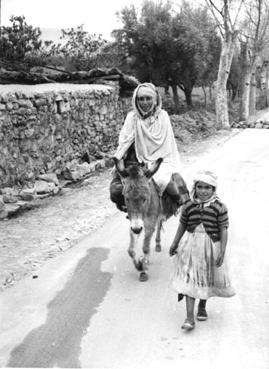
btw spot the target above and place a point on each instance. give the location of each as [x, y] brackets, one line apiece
[87, 308]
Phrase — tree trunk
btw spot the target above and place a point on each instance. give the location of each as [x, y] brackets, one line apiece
[175, 98]
[205, 100]
[244, 105]
[227, 51]
[210, 93]
[248, 98]
[266, 85]
[188, 97]
[252, 95]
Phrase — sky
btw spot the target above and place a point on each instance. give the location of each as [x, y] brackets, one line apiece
[97, 16]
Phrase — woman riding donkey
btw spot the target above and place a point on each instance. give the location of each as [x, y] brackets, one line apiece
[147, 133]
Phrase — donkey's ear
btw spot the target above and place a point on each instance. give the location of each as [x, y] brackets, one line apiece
[119, 164]
[154, 167]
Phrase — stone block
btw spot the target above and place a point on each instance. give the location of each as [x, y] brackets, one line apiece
[49, 177]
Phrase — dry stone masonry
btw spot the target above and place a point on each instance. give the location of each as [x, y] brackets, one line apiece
[54, 130]
[264, 124]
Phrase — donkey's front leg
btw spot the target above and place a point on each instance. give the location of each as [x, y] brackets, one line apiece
[149, 230]
[131, 250]
[158, 247]
[132, 244]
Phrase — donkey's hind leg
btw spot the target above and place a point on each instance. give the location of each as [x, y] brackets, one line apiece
[158, 247]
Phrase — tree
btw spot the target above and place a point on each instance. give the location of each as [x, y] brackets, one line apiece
[227, 26]
[199, 22]
[80, 48]
[234, 79]
[166, 47]
[253, 40]
[19, 40]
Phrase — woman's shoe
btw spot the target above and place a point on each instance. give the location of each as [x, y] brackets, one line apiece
[201, 314]
[188, 325]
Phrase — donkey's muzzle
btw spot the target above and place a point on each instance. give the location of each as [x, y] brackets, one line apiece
[136, 230]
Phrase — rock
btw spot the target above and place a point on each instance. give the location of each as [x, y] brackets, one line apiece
[109, 163]
[42, 187]
[9, 191]
[78, 171]
[7, 278]
[9, 199]
[27, 194]
[12, 208]
[2, 204]
[3, 214]
[49, 177]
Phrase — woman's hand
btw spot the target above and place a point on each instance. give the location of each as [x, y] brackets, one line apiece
[173, 249]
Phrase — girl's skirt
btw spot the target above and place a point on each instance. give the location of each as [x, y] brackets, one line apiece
[196, 274]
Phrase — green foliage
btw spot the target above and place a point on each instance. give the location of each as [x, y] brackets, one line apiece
[19, 40]
[167, 47]
[80, 49]
[21, 43]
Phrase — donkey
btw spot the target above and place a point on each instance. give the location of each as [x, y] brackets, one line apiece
[146, 209]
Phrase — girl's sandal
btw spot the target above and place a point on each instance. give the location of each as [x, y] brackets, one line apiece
[188, 325]
[201, 314]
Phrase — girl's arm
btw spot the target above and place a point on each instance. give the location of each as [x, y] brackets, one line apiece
[223, 243]
[180, 232]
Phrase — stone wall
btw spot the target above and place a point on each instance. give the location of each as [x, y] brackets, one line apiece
[44, 127]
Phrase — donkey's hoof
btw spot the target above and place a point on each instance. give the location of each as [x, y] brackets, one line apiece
[139, 265]
[143, 277]
[131, 253]
[158, 248]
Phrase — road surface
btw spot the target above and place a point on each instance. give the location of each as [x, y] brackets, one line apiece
[87, 309]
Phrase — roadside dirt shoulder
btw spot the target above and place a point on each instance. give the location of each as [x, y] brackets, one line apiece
[30, 239]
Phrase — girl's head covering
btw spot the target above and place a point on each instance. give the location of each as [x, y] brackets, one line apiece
[150, 90]
[207, 177]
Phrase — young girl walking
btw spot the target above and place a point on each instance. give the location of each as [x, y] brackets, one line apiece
[200, 268]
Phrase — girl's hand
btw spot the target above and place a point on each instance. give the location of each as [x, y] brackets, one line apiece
[173, 250]
[219, 260]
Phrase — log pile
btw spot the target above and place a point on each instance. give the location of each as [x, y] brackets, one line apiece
[48, 74]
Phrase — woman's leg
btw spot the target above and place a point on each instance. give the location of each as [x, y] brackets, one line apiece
[177, 189]
[172, 191]
[115, 189]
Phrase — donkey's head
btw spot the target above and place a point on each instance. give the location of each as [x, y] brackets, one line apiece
[137, 190]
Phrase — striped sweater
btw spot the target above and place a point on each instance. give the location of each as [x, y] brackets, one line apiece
[213, 217]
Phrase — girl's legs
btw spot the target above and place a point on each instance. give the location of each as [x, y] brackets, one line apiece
[202, 314]
[189, 322]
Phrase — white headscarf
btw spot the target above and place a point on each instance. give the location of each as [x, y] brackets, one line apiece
[209, 178]
[206, 176]
[147, 89]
